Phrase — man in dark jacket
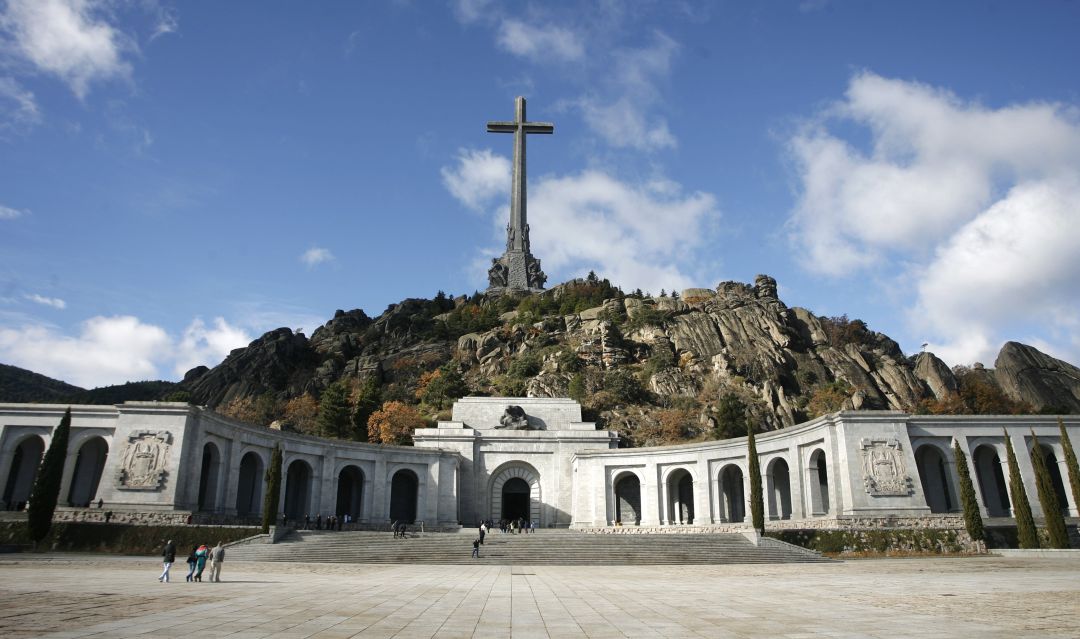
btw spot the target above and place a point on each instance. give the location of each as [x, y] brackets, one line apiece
[168, 556]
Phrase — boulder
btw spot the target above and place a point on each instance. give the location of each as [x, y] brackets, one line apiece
[936, 375]
[1027, 374]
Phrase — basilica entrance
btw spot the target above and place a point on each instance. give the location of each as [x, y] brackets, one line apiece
[515, 493]
[515, 499]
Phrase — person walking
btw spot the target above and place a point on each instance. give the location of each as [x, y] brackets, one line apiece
[168, 556]
[192, 562]
[476, 548]
[217, 557]
[483, 532]
[200, 559]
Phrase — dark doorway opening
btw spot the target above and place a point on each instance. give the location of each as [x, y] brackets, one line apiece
[515, 499]
[403, 489]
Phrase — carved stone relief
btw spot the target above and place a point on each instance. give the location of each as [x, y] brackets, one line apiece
[884, 472]
[143, 464]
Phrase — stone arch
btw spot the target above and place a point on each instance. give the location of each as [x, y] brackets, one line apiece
[732, 494]
[25, 461]
[819, 483]
[937, 480]
[680, 502]
[778, 480]
[526, 474]
[1054, 470]
[209, 477]
[627, 487]
[350, 492]
[404, 493]
[991, 480]
[298, 490]
[249, 487]
[89, 463]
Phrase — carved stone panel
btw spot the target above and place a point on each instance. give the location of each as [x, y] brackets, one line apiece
[884, 472]
[143, 465]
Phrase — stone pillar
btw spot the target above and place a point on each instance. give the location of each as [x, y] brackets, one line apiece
[328, 482]
[650, 497]
[1063, 472]
[232, 479]
[380, 508]
[1022, 447]
[664, 501]
[701, 496]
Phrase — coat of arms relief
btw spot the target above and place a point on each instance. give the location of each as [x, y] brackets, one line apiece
[884, 472]
[143, 464]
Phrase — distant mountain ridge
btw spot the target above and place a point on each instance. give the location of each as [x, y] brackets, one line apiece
[657, 369]
[19, 385]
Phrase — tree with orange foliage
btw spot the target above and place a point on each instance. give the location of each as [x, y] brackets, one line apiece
[301, 412]
[394, 423]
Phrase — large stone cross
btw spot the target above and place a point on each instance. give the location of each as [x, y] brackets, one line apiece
[517, 233]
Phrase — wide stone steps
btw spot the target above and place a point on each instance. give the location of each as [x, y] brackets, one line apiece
[545, 548]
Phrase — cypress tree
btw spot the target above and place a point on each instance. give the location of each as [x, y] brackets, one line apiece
[1026, 533]
[46, 488]
[1070, 463]
[972, 517]
[273, 490]
[757, 504]
[1054, 522]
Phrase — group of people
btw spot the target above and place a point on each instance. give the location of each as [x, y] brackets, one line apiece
[516, 526]
[331, 522]
[196, 561]
[401, 530]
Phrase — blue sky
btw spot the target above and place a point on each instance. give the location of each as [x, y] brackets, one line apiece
[178, 178]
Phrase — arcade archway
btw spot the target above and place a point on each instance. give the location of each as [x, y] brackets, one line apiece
[298, 490]
[24, 466]
[350, 492]
[519, 476]
[249, 488]
[89, 463]
[404, 489]
[991, 481]
[935, 477]
[628, 500]
[779, 487]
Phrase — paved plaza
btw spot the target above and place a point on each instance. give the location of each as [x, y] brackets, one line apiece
[94, 596]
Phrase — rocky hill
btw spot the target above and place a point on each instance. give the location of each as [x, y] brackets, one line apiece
[681, 367]
[696, 365]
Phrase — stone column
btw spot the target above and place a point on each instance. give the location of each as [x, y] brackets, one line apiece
[380, 509]
[1063, 472]
[328, 482]
[650, 507]
[232, 479]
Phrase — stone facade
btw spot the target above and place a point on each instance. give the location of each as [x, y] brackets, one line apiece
[533, 458]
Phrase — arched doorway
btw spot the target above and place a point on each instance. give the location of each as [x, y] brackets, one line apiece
[991, 481]
[208, 477]
[24, 466]
[249, 487]
[628, 500]
[526, 475]
[680, 485]
[779, 487]
[935, 477]
[403, 492]
[732, 497]
[1054, 470]
[515, 499]
[298, 490]
[89, 463]
[819, 484]
[350, 492]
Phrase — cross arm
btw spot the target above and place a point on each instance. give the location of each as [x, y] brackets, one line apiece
[539, 127]
[501, 127]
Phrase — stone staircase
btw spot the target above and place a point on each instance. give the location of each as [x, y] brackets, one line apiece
[545, 547]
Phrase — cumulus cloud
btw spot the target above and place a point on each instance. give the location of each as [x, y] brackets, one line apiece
[203, 345]
[8, 213]
[315, 256]
[70, 39]
[637, 234]
[546, 42]
[107, 350]
[975, 207]
[477, 176]
[54, 302]
[118, 349]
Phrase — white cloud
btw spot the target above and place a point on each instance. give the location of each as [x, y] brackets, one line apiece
[201, 345]
[468, 11]
[18, 108]
[478, 176]
[315, 256]
[539, 43]
[54, 302]
[973, 207]
[108, 350]
[67, 38]
[623, 124]
[114, 350]
[166, 23]
[7, 213]
[636, 234]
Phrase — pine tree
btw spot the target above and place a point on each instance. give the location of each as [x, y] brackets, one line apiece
[1052, 519]
[367, 400]
[46, 489]
[757, 503]
[1026, 533]
[972, 517]
[273, 490]
[1070, 463]
[333, 419]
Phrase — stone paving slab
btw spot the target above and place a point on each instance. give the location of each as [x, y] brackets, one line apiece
[91, 596]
